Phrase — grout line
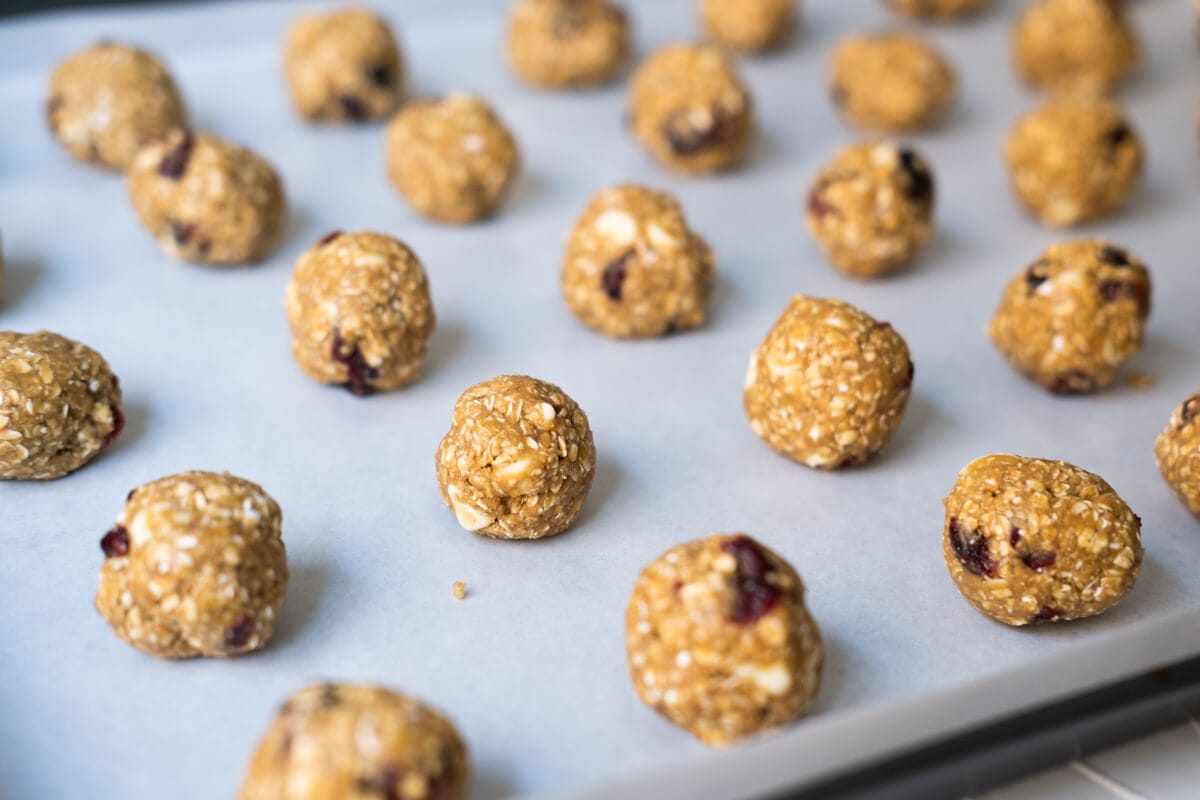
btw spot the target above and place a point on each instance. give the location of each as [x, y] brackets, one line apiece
[1104, 782]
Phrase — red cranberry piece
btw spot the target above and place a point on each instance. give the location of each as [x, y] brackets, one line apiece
[613, 277]
[380, 75]
[1113, 256]
[754, 597]
[1040, 560]
[1112, 291]
[1036, 275]
[174, 163]
[115, 543]
[1118, 136]
[1074, 381]
[1046, 614]
[685, 138]
[329, 237]
[915, 178]
[817, 205]
[385, 784]
[352, 107]
[971, 550]
[118, 426]
[359, 373]
[1191, 407]
[1014, 536]
[329, 696]
[239, 633]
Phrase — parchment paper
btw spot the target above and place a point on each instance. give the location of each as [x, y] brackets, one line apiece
[532, 665]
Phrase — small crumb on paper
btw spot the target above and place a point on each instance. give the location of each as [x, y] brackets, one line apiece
[1140, 380]
[460, 590]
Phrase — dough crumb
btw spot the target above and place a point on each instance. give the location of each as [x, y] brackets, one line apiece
[1141, 381]
[460, 590]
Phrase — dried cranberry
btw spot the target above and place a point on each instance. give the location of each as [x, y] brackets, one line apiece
[1113, 256]
[116, 542]
[118, 426]
[1191, 408]
[1039, 560]
[1014, 536]
[915, 179]
[1074, 381]
[753, 595]
[359, 373]
[129, 496]
[352, 107]
[385, 784]
[686, 138]
[613, 277]
[1112, 291]
[329, 237]
[1118, 136]
[1046, 614]
[380, 75]
[1036, 275]
[181, 232]
[908, 381]
[817, 205]
[238, 634]
[174, 163]
[849, 462]
[329, 696]
[971, 550]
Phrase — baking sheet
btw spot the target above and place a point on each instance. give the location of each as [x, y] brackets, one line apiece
[531, 666]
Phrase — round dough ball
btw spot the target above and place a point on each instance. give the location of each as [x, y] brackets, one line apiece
[747, 25]
[690, 109]
[343, 66]
[1177, 451]
[345, 742]
[633, 268]
[206, 200]
[828, 385]
[360, 312]
[518, 460]
[107, 101]
[719, 640]
[1075, 44]
[1074, 315]
[563, 43]
[1028, 540]
[871, 208]
[452, 159]
[195, 566]
[1074, 160]
[937, 9]
[890, 81]
[60, 405]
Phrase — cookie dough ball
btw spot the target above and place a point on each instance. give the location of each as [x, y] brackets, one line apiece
[1177, 451]
[1075, 44]
[719, 640]
[452, 159]
[107, 101]
[1074, 160]
[937, 9]
[871, 209]
[360, 312]
[195, 566]
[690, 109]
[828, 385]
[346, 742]
[890, 81]
[747, 25]
[343, 67]
[518, 460]
[633, 268]
[1028, 540]
[60, 405]
[563, 43]
[206, 200]
[1074, 315]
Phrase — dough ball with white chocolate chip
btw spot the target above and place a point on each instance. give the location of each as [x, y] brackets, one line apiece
[690, 109]
[871, 209]
[828, 385]
[1177, 451]
[207, 200]
[633, 268]
[564, 43]
[518, 460]
[719, 640]
[351, 742]
[747, 25]
[360, 312]
[107, 101]
[1073, 160]
[890, 81]
[60, 405]
[195, 566]
[1028, 540]
[343, 66]
[451, 159]
[1073, 316]
[937, 9]
[1075, 45]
